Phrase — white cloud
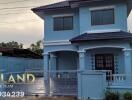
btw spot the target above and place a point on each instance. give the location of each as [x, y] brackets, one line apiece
[25, 27]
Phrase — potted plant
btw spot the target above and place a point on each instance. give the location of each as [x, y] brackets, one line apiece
[111, 96]
[127, 96]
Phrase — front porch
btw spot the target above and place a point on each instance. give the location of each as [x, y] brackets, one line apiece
[71, 83]
[65, 67]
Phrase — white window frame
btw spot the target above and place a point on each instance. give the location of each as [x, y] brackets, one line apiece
[62, 15]
[102, 8]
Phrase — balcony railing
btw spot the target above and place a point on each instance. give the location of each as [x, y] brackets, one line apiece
[118, 79]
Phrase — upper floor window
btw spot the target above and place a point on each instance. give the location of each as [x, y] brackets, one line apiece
[102, 17]
[63, 23]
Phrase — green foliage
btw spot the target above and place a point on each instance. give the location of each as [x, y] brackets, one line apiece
[127, 96]
[11, 44]
[37, 47]
[111, 96]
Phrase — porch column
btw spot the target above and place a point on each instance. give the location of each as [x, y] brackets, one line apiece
[82, 60]
[81, 68]
[128, 65]
[53, 62]
[46, 73]
[46, 66]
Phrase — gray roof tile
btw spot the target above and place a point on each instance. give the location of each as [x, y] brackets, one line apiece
[69, 4]
[51, 6]
[102, 36]
[64, 4]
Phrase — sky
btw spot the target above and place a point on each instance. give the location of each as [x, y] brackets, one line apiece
[21, 25]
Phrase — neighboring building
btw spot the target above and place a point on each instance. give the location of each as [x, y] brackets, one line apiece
[21, 53]
[13, 60]
[87, 47]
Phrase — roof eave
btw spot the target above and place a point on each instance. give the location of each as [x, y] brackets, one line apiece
[112, 39]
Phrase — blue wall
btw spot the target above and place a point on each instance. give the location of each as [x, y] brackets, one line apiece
[67, 61]
[120, 19]
[51, 35]
[82, 22]
[13, 64]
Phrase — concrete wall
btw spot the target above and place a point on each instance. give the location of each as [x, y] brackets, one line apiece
[13, 64]
[91, 85]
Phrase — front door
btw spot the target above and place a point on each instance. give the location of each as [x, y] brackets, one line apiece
[104, 62]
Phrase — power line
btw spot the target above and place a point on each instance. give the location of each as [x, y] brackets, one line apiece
[15, 13]
[16, 22]
[14, 2]
[22, 21]
[16, 8]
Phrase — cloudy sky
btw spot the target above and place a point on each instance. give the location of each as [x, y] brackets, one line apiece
[22, 25]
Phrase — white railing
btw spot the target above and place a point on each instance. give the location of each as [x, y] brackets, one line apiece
[117, 79]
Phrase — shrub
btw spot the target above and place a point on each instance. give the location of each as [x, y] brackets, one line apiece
[127, 96]
[111, 96]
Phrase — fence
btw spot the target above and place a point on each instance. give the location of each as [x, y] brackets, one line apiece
[63, 82]
[29, 88]
[15, 64]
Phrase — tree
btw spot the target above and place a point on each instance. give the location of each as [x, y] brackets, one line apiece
[11, 44]
[37, 47]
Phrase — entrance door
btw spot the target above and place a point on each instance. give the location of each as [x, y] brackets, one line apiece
[104, 62]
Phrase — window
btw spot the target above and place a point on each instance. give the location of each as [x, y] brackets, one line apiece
[63, 23]
[102, 17]
[104, 62]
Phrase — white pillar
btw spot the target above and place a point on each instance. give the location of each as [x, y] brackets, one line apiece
[128, 65]
[46, 74]
[82, 60]
[127, 62]
[81, 68]
[46, 66]
[53, 62]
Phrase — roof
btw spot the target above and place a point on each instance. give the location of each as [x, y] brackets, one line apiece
[102, 36]
[64, 4]
[15, 52]
[71, 4]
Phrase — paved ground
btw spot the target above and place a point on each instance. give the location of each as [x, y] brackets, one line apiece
[40, 98]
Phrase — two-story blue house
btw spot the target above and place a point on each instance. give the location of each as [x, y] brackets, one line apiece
[87, 47]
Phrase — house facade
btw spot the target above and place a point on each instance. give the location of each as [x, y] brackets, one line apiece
[87, 47]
